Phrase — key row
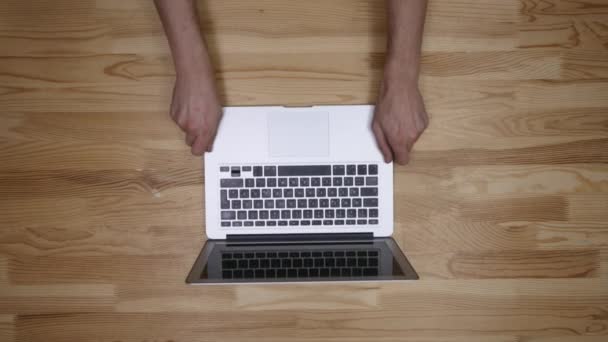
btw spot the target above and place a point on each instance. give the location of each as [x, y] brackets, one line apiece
[294, 182]
[298, 254]
[303, 170]
[298, 193]
[312, 203]
[299, 263]
[300, 273]
[275, 223]
[287, 214]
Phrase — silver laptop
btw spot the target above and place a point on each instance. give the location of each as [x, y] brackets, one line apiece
[298, 195]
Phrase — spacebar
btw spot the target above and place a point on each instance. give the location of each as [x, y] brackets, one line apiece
[305, 170]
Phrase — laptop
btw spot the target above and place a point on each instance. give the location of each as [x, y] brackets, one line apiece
[298, 194]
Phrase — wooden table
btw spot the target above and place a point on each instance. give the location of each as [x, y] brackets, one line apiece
[503, 210]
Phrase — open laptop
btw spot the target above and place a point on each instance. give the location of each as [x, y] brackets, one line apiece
[298, 195]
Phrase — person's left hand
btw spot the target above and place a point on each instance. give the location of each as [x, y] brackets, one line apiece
[399, 120]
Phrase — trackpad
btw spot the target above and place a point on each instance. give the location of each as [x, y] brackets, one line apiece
[298, 134]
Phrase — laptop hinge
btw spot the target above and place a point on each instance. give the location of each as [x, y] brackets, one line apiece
[299, 237]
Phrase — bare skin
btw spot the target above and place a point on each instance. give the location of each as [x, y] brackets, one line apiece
[399, 118]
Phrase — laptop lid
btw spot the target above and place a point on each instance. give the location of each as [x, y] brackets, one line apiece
[300, 258]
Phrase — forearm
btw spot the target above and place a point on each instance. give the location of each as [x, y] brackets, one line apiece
[405, 27]
[180, 21]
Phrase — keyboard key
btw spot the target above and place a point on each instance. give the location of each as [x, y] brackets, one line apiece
[258, 204]
[324, 272]
[255, 193]
[348, 181]
[296, 214]
[361, 169]
[315, 181]
[341, 213]
[313, 203]
[321, 192]
[359, 181]
[374, 221]
[228, 215]
[271, 182]
[362, 213]
[370, 202]
[270, 171]
[324, 203]
[343, 192]
[371, 181]
[335, 272]
[337, 181]
[338, 253]
[269, 204]
[339, 222]
[233, 193]
[305, 223]
[236, 204]
[260, 182]
[316, 222]
[372, 253]
[351, 222]
[244, 193]
[285, 214]
[283, 182]
[291, 203]
[299, 192]
[361, 221]
[271, 223]
[235, 171]
[329, 213]
[332, 192]
[356, 272]
[372, 169]
[294, 223]
[351, 262]
[241, 215]
[313, 273]
[253, 215]
[345, 272]
[328, 222]
[318, 214]
[307, 214]
[275, 214]
[248, 223]
[282, 223]
[247, 204]
[305, 170]
[288, 193]
[277, 193]
[373, 262]
[326, 181]
[351, 213]
[310, 192]
[231, 183]
[334, 203]
[260, 223]
[356, 202]
[292, 273]
[369, 192]
[229, 264]
[225, 204]
[293, 182]
[224, 169]
[246, 168]
[226, 256]
[225, 223]
[259, 273]
[270, 273]
[257, 171]
[304, 182]
[254, 263]
[302, 273]
[351, 170]
[345, 203]
[282, 273]
[302, 203]
[338, 170]
[266, 193]
[249, 183]
[370, 272]
[280, 204]
[264, 215]
[353, 192]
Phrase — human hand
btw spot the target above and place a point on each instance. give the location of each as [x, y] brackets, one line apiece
[197, 111]
[399, 120]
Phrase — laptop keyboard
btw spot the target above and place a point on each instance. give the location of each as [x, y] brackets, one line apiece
[300, 264]
[299, 195]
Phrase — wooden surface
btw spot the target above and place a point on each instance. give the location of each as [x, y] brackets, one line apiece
[503, 210]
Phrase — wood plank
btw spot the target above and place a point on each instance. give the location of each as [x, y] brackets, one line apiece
[7, 331]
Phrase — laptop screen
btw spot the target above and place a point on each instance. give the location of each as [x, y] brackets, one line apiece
[374, 259]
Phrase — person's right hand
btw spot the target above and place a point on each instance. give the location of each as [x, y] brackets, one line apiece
[197, 111]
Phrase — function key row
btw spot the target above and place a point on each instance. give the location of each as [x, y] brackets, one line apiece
[298, 181]
[303, 170]
[283, 223]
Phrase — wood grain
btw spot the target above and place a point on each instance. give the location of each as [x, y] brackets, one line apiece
[503, 210]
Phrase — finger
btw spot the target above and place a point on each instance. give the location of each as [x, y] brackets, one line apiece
[199, 146]
[382, 143]
[400, 150]
[213, 132]
[190, 139]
